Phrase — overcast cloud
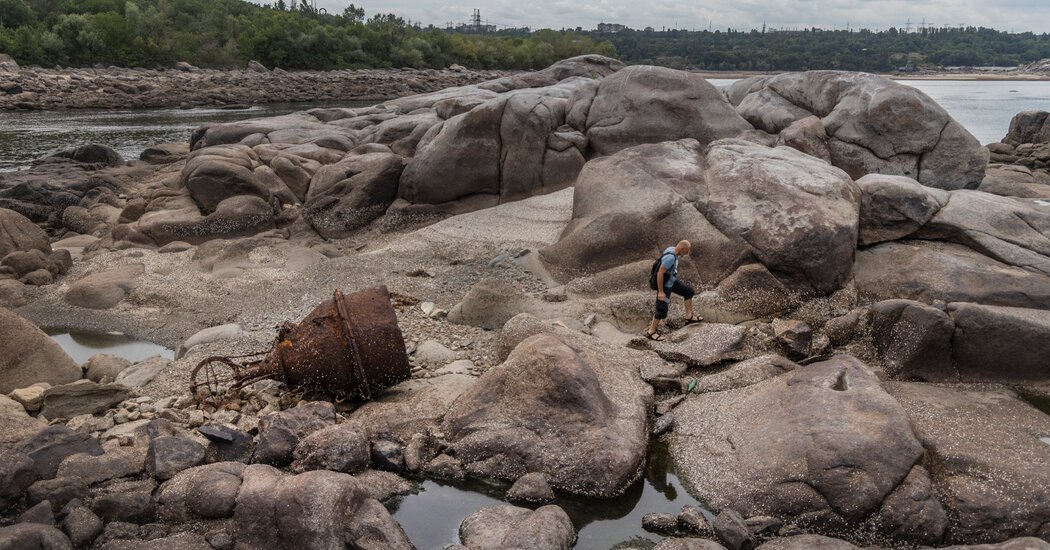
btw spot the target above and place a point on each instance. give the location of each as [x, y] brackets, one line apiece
[1009, 15]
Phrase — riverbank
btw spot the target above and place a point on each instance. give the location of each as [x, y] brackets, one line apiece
[120, 88]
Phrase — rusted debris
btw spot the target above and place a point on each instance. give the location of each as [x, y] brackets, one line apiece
[349, 345]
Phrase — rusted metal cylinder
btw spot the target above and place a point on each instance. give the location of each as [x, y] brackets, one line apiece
[350, 344]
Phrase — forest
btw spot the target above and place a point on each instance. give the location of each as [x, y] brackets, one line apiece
[292, 35]
[229, 33]
[808, 49]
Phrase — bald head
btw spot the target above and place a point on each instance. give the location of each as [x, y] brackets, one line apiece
[682, 248]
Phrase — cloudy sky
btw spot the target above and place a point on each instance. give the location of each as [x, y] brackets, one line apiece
[1015, 15]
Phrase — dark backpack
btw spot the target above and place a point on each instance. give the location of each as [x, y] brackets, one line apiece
[656, 267]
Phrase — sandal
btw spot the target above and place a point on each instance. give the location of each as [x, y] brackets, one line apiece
[694, 319]
[654, 336]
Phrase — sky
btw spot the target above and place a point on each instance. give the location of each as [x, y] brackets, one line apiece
[1008, 15]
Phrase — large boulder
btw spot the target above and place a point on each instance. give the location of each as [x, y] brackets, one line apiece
[104, 289]
[91, 153]
[507, 148]
[742, 204]
[50, 446]
[568, 408]
[202, 492]
[512, 528]
[16, 475]
[33, 536]
[281, 432]
[913, 340]
[926, 271]
[314, 510]
[989, 494]
[28, 356]
[1028, 127]
[217, 173]
[412, 407]
[17, 232]
[823, 445]
[873, 124]
[81, 397]
[893, 207]
[1000, 344]
[1011, 180]
[353, 192]
[1012, 231]
[646, 104]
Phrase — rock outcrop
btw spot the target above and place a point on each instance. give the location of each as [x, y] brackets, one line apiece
[873, 124]
[824, 445]
[567, 409]
[741, 203]
[28, 355]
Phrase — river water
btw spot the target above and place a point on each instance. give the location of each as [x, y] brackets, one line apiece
[984, 108]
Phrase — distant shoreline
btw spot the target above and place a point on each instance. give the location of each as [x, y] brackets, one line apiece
[974, 76]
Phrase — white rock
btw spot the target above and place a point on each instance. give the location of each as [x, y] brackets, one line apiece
[208, 335]
[432, 352]
[143, 372]
[427, 307]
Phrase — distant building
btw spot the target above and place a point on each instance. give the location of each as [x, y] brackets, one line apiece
[475, 26]
[610, 27]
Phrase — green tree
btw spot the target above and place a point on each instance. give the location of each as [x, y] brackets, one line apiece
[15, 13]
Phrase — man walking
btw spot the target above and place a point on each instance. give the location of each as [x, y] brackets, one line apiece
[667, 283]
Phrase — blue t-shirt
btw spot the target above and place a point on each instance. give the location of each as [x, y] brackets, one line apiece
[670, 263]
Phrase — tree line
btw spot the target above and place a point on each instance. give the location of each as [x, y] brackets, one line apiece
[292, 35]
[229, 33]
[807, 49]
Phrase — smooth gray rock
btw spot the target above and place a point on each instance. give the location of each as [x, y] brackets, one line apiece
[873, 124]
[340, 448]
[1000, 344]
[82, 397]
[143, 372]
[82, 526]
[703, 345]
[105, 289]
[893, 207]
[564, 407]
[40, 513]
[50, 446]
[104, 368]
[755, 449]
[207, 492]
[730, 528]
[281, 432]
[28, 355]
[18, 232]
[533, 487]
[33, 536]
[745, 373]
[645, 104]
[115, 463]
[16, 475]
[316, 510]
[512, 528]
[131, 507]
[926, 271]
[988, 495]
[914, 340]
[169, 455]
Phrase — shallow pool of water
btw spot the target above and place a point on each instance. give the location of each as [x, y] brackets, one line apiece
[81, 345]
[432, 516]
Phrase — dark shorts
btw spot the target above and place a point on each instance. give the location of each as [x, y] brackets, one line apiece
[679, 288]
